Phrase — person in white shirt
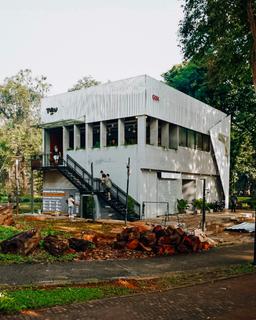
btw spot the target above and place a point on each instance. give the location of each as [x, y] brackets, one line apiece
[71, 205]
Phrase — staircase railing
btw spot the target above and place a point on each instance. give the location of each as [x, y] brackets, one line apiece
[94, 184]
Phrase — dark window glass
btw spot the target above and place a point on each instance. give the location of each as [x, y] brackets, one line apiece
[148, 130]
[81, 128]
[160, 124]
[96, 135]
[182, 137]
[199, 141]
[191, 139]
[173, 137]
[130, 130]
[112, 133]
[70, 137]
[206, 143]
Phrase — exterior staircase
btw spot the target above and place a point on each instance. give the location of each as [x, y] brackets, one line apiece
[86, 184]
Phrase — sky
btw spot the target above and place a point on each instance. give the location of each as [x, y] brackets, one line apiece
[68, 39]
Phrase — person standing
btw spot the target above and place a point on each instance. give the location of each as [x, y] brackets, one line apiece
[71, 205]
[108, 184]
[56, 155]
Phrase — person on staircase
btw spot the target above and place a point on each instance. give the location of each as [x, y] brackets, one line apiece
[108, 184]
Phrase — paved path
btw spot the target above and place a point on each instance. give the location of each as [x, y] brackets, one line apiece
[231, 299]
[85, 271]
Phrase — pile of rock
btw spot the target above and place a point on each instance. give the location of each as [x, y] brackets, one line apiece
[161, 240]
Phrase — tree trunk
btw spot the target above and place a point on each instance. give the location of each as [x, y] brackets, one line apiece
[252, 23]
[22, 243]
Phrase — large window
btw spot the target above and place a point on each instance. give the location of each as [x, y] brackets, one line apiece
[96, 135]
[206, 143]
[148, 120]
[70, 137]
[182, 137]
[191, 141]
[112, 132]
[194, 140]
[81, 129]
[130, 130]
[173, 136]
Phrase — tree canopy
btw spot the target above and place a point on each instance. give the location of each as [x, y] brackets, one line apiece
[85, 82]
[222, 34]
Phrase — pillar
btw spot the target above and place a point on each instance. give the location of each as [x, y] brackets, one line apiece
[154, 132]
[141, 130]
[88, 135]
[120, 132]
[65, 141]
[103, 134]
[165, 134]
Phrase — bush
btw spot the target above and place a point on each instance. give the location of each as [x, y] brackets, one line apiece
[182, 205]
[198, 204]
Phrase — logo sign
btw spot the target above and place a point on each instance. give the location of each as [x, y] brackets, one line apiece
[51, 111]
[155, 98]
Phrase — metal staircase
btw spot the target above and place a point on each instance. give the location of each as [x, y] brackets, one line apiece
[85, 183]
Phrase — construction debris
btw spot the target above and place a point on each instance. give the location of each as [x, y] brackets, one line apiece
[6, 215]
[242, 227]
[162, 241]
[55, 245]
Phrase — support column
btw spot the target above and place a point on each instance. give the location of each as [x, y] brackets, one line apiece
[88, 135]
[154, 132]
[165, 135]
[142, 130]
[120, 132]
[65, 141]
[76, 137]
[103, 134]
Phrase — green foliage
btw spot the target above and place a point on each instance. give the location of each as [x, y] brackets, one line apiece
[198, 203]
[130, 205]
[219, 33]
[85, 82]
[7, 232]
[13, 301]
[182, 205]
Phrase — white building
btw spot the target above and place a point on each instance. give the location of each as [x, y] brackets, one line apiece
[173, 140]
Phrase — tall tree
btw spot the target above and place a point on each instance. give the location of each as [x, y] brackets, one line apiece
[85, 82]
[222, 33]
[19, 138]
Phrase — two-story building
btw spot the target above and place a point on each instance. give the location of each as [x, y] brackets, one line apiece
[173, 141]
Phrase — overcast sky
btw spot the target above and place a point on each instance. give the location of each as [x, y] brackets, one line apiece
[107, 39]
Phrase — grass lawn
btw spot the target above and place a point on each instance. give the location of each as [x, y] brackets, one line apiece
[18, 299]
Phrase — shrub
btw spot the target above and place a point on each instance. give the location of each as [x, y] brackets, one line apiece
[182, 205]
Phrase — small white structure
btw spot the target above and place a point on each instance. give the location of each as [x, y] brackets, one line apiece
[173, 140]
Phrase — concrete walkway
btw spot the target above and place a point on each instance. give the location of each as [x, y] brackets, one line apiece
[86, 271]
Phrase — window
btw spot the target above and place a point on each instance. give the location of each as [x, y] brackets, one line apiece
[182, 137]
[199, 141]
[148, 130]
[96, 135]
[206, 143]
[81, 129]
[70, 137]
[191, 139]
[130, 130]
[173, 136]
[159, 139]
[112, 133]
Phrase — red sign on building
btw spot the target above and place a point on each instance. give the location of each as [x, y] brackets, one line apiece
[155, 98]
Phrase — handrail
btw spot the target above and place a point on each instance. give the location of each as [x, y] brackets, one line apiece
[93, 183]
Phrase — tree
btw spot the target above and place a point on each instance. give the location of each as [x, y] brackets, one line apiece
[222, 34]
[85, 82]
[20, 96]
[19, 137]
[237, 100]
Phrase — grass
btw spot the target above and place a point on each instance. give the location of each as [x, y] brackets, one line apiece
[14, 301]
[18, 299]
[7, 232]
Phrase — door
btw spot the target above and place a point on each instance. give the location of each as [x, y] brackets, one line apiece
[88, 206]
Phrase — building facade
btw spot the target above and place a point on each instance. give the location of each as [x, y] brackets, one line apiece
[173, 141]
